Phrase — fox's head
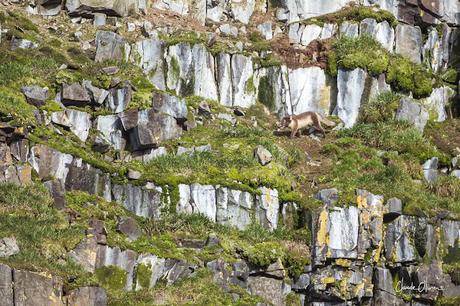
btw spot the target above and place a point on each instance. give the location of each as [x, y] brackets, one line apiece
[285, 122]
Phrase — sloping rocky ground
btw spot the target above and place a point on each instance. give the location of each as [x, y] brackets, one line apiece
[140, 161]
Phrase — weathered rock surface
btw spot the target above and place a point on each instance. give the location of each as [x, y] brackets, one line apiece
[78, 122]
[35, 94]
[412, 112]
[8, 247]
[111, 46]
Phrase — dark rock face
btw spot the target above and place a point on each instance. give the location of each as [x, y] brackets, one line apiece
[34, 289]
[88, 296]
[129, 227]
[151, 129]
[84, 177]
[74, 95]
[57, 192]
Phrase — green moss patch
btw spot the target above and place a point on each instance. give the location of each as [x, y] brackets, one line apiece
[354, 13]
[366, 53]
[111, 277]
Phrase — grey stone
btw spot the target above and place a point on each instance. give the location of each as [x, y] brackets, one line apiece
[85, 254]
[271, 289]
[118, 99]
[242, 11]
[350, 86]
[84, 177]
[156, 266]
[409, 42]
[35, 95]
[8, 247]
[244, 94]
[110, 46]
[6, 285]
[328, 196]
[88, 296]
[267, 208]
[302, 282]
[20, 43]
[266, 30]
[204, 109]
[74, 95]
[96, 228]
[109, 7]
[134, 174]
[229, 30]
[177, 270]
[20, 150]
[397, 242]
[139, 200]
[100, 19]
[78, 122]
[48, 162]
[264, 157]
[110, 131]
[110, 70]
[126, 260]
[151, 129]
[150, 53]
[197, 199]
[412, 112]
[98, 95]
[228, 118]
[219, 269]
[234, 207]
[393, 207]
[129, 227]
[170, 105]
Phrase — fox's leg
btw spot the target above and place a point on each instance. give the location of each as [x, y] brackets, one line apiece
[294, 132]
[320, 128]
[295, 128]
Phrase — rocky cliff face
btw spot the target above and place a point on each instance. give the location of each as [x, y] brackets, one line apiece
[140, 160]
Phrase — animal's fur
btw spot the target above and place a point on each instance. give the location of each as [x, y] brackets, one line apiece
[301, 121]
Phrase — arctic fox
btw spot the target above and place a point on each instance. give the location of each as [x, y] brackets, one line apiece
[298, 122]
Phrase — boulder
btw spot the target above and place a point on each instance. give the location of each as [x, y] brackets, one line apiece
[48, 162]
[393, 208]
[264, 157]
[176, 270]
[409, 42]
[78, 122]
[266, 30]
[129, 227]
[84, 177]
[151, 129]
[228, 29]
[88, 296]
[8, 247]
[171, 105]
[20, 150]
[100, 19]
[97, 95]
[438, 101]
[20, 43]
[412, 112]
[350, 29]
[111, 131]
[118, 99]
[35, 95]
[111, 46]
[242, 10]
[74, 95]
[133, 174]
